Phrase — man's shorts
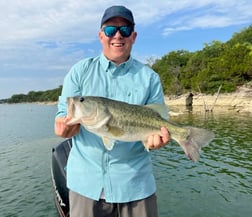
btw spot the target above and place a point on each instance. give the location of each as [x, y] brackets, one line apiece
[81, 206]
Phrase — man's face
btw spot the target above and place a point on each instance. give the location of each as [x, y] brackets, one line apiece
[117, 48]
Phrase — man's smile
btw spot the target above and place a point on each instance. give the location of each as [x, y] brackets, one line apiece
[118, 44]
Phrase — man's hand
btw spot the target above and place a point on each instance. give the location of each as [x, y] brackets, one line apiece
[157, 141]
[63, 130]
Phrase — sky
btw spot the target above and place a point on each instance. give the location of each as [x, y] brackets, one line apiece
[41, 39]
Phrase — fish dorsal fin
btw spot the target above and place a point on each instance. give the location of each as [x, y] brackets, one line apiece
[159, 108]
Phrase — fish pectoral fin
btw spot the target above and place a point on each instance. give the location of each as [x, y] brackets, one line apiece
[94, 125]
[115, 131]
[108, 143]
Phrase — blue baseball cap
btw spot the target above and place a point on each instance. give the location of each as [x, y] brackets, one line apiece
[117, 11]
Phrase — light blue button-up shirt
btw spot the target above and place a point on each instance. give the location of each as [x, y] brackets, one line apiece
[125, 173]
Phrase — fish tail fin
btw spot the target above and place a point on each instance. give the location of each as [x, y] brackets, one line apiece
[196, 139]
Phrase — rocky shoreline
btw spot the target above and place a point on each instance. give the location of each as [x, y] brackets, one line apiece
[239, 101]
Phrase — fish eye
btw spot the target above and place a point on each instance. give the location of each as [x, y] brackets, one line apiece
[82, 99]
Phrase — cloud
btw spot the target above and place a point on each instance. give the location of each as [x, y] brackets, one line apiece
[41, 39]
[53, 19]
[71, 21]
[42, 56]
[209, 14]
[23, 85]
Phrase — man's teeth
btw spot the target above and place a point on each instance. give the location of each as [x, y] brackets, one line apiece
[118, 44]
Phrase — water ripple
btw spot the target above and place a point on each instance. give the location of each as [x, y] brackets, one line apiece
[221, 181]
[219, 185]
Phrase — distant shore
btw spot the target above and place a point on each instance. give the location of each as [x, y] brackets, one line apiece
[239, 101]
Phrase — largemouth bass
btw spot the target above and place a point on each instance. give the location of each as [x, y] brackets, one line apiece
[115, 120]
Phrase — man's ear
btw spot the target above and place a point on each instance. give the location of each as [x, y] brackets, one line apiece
[134, 36]
[100, 35]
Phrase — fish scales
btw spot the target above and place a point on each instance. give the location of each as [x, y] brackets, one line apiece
[115, 120]
[136, 116]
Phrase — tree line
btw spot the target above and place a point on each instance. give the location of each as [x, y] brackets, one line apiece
[36, 96]
[228, 64]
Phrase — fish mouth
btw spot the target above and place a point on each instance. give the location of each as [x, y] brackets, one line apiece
[70, 107]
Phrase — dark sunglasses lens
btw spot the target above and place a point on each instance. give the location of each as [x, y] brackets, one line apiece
[125, 31]
[110, 31]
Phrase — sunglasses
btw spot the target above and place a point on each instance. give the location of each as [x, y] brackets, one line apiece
[110, 31]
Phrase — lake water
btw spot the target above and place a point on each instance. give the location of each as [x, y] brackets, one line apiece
[219, 185]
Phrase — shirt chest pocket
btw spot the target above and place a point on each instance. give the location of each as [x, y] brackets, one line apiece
[130, 94]
[118, 89]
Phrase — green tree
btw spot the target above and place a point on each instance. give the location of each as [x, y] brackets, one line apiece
[170, 68]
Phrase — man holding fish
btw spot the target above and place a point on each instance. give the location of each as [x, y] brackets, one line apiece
[109, 177]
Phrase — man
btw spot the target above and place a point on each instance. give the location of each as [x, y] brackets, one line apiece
[119, 182]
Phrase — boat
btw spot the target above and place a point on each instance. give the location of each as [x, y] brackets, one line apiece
[58, 173]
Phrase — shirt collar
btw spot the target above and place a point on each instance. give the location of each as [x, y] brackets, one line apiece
[108, 65]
